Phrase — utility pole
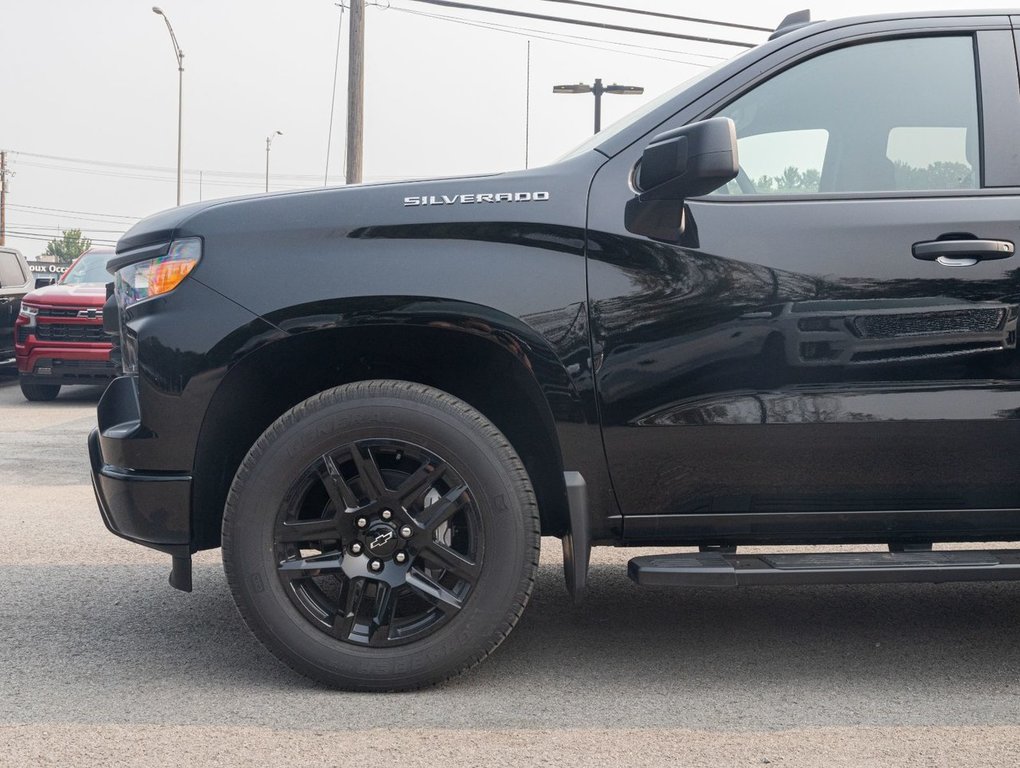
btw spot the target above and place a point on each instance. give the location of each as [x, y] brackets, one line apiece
[269, 143]
[3, 198]
[527, 107]
[356, 93]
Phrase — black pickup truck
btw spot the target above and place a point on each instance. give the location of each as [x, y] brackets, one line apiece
[775, 306]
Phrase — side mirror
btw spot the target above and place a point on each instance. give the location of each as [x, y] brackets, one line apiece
[688, 162]
[42, 282]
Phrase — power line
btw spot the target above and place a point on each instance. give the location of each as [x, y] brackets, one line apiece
[163, 169]
[88, 220]
[21, 206]
[60, 228]
[580, 22]
[556, 38]
[658, 14]
[555, 35]
[143, 177]
[47, 238]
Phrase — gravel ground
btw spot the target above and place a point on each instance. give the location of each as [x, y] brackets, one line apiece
[102, 663]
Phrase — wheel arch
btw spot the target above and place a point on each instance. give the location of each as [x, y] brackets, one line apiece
[505, 370]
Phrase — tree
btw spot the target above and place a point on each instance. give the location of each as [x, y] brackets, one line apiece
[938, 175]
[69, 246]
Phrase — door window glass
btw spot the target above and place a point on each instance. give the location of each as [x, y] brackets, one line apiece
[10, 270]
[783, 162]
[886, 116]
[930, 158]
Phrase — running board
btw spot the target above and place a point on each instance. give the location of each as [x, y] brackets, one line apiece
[714, 569]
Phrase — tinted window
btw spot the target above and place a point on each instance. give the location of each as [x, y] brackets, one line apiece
[11, 272]
[886, 116]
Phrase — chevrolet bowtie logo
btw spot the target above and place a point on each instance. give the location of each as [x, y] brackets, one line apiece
[381, 539]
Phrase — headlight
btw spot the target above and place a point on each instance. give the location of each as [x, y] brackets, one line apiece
[148, 279]
[29, 312]
[154, 277]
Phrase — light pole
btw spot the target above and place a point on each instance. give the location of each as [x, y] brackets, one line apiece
[269, 143]
[180, 95]
[598, 89]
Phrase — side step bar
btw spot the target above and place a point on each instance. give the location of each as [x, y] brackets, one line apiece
[714, 569]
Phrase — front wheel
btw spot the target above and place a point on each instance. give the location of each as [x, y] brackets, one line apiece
[38, 392]
[381, 535]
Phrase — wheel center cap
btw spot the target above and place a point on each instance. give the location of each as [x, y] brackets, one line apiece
[381, 540]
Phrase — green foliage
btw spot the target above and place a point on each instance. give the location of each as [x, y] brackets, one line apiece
[940, 175]
[69, 246]
[792, 181]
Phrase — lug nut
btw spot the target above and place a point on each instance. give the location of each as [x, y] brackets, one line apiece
[406, 532]
[386, 514]
[361, 522]
[400, 557]
[375, 565]
[355, 548]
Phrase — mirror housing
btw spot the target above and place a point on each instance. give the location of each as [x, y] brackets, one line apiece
[689, 161]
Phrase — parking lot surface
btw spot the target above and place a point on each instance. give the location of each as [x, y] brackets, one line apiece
[102, 663]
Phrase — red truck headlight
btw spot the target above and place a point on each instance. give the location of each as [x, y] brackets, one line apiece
[28, 312]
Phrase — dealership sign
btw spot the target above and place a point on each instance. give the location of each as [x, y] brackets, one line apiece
[47, 268]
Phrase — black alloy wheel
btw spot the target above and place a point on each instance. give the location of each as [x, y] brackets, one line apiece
[381, 536]
[379, 542]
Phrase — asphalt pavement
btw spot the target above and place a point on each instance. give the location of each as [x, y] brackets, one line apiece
[102, 663]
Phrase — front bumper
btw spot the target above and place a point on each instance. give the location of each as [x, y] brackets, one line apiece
[65, 363]
[147, 507]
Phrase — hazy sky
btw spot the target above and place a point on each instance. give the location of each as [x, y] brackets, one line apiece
[89, 93]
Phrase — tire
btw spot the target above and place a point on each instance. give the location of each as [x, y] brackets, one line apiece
[38, 392]
[385, 475]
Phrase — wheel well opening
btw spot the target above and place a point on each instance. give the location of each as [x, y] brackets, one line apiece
[271, 381]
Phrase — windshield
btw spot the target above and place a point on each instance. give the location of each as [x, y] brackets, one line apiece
[90, 268]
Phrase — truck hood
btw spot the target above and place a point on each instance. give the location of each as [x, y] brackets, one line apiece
[556, 194]
[162, 227]
[83, 295]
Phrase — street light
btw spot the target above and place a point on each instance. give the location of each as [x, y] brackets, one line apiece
[598, 89]
[180, 94]
[269, 143]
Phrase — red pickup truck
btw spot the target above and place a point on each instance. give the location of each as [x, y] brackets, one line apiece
[59, 336]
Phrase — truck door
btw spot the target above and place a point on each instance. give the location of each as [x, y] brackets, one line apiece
[834, 332]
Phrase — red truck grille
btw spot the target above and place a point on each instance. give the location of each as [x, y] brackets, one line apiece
[73, 312]
[67, 332]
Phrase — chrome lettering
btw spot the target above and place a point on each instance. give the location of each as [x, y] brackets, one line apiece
[479, 197]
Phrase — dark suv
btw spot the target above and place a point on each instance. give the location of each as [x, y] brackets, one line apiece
[15, 281]
[776, 306]
[60, 338]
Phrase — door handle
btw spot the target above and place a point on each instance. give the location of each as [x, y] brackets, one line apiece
[963, 253]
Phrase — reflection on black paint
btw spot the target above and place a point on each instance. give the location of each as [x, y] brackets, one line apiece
[797, 357]
[548, 236]
[832, 405]
[693, 324]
